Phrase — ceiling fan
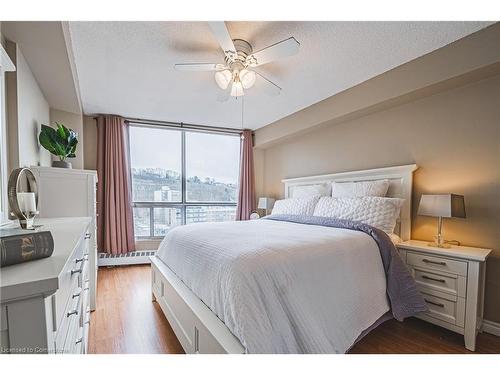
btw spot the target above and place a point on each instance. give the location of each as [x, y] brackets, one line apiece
[236, 74]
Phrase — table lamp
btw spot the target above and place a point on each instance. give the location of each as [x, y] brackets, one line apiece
[441, 206]
[265, 204]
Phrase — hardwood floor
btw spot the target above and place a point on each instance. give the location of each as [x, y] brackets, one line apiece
[126, 321]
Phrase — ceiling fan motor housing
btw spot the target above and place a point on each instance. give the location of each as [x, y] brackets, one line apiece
[243, 49]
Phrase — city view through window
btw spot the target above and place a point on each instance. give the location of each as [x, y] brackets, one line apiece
[209, 164]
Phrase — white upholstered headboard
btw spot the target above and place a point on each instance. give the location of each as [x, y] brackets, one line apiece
[400, 186]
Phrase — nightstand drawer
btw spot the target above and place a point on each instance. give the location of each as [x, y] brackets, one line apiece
[448, 310]
[447, 283]
[437, 263]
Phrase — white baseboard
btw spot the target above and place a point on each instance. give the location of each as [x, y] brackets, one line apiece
[134, 257]
[491, 327]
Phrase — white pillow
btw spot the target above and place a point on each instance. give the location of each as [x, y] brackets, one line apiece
[295, 206]
[378, 212]
[311, 190]
[376, 188]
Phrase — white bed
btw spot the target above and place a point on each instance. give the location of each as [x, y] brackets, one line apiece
[276, 287]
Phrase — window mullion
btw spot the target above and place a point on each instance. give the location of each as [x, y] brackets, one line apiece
[183, 175]
[151, 221]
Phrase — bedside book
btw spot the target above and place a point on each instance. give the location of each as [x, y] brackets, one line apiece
[452, 282]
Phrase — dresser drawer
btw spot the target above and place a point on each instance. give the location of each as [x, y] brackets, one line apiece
[70, 318]
[451, 310]
[70, 280]
[437, 263]
[440, 281]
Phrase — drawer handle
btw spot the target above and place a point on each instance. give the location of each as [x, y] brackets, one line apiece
[76, 271]
[87, 236]
[433, 279]
[76, 295]
[72, 312]
[434, 303]
[78, 260]
[79, 341]
[434, 262]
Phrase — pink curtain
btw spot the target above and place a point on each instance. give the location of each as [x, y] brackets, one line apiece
[115, 229]
[246, 197]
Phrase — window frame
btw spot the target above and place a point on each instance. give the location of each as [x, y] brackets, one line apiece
[183, 204]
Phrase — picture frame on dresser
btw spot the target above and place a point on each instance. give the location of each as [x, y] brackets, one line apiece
[452, 281]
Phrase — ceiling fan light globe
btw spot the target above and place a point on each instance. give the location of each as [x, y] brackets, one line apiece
[237, 89]
[223, 78]
[247, 78]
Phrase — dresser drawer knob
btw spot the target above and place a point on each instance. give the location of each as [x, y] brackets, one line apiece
[433, 279]
[72, 312]
[87, 236]
[434, 303]
[434, 262]
[79, 341]
[76, 295]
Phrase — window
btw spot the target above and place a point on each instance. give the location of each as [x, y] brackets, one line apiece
[182, 176]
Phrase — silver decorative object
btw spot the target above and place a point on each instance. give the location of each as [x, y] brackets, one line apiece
[21, 207]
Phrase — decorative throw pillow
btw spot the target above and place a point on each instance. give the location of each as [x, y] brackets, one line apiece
[378, 212]
[377, 188]
[295, 206]
[311, 190]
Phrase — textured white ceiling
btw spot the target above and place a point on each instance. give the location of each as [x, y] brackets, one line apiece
[126, 68]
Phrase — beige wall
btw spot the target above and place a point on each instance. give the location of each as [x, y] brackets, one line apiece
[90, 144]
[73, 121]
[27, 110]
[454, 137]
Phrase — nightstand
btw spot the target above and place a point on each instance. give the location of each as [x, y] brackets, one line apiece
[452, 283]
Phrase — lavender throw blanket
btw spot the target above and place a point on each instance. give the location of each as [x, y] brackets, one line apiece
[404, 298]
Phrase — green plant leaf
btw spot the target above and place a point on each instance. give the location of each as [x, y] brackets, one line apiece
[60, 142]
[48, 139]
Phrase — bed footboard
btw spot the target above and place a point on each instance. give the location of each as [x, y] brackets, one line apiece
[198, 329]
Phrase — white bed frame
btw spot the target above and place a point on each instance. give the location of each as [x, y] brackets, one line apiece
[198, 329]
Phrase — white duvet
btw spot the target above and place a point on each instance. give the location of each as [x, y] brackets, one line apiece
[282, 287]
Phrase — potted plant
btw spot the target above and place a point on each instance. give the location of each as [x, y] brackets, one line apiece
[60, 142]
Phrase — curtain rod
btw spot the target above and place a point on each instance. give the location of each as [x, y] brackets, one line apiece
[182, 125]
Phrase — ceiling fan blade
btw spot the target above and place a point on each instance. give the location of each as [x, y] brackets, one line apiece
[222, 35]
[268, 86]
[285, 48]
[199, 67]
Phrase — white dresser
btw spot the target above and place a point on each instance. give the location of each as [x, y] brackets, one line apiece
[70, 193]
[452, 283]
[45, 303]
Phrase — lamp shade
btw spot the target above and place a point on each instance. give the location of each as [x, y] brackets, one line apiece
[444, 205]
[265, 203]
[223, 78]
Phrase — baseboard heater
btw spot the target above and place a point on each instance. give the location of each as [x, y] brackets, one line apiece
[133, 257]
